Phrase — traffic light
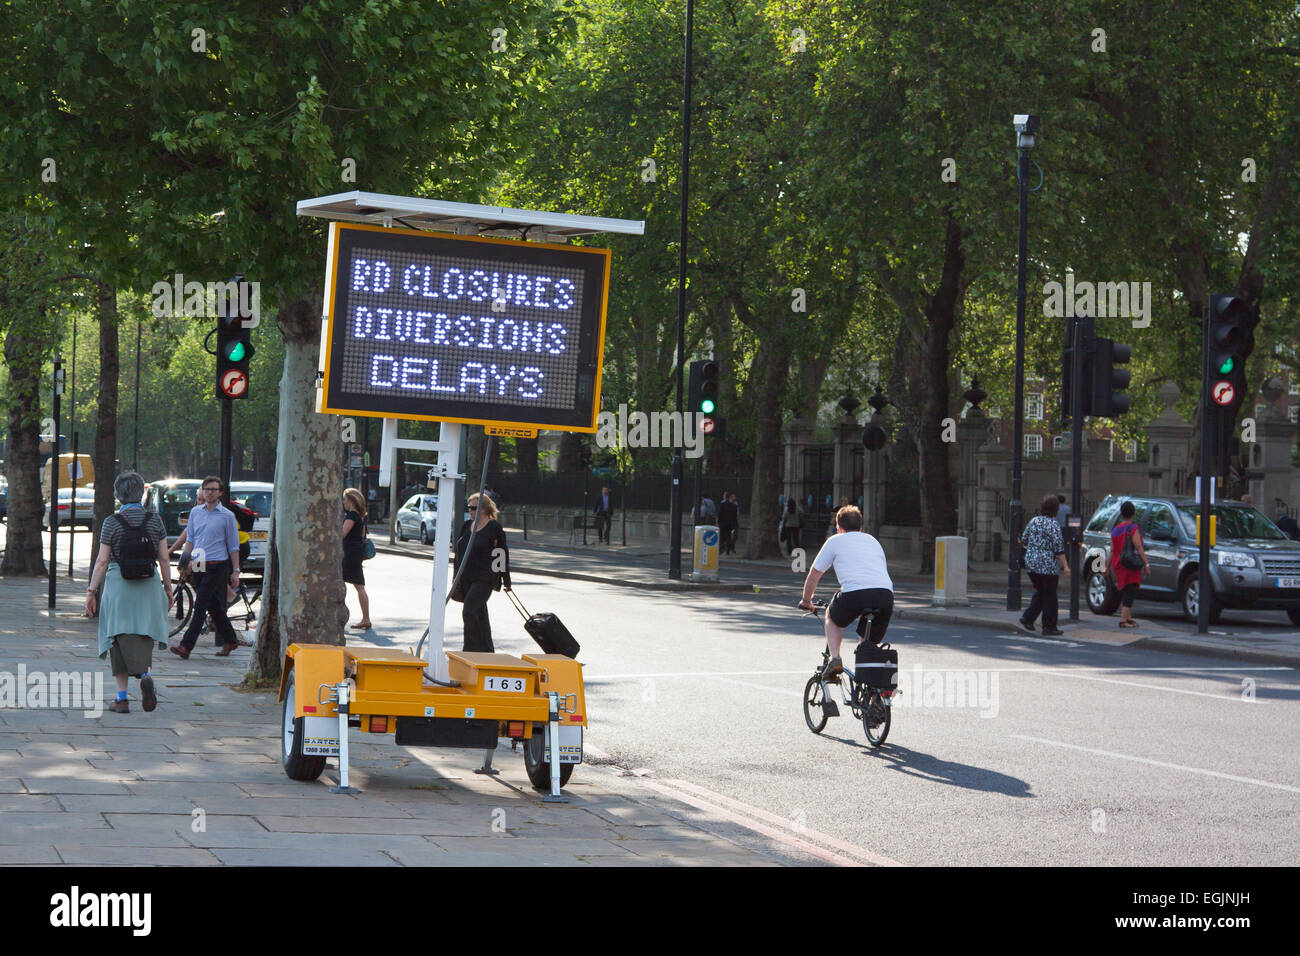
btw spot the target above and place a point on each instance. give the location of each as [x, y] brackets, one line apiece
[1108, 380]
[704, 391]
[234, 344]
[1067, 370]
[1231, 340]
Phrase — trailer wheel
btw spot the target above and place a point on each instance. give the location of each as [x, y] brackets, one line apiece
[297, 765]
[539, 770]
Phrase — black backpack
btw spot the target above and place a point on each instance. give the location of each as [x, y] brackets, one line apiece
[135, 552]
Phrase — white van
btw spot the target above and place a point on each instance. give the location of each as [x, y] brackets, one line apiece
[257, 497]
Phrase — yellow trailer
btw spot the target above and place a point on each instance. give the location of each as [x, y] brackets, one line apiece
[535, 700]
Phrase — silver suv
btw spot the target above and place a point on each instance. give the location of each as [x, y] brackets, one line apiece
[1253, 565]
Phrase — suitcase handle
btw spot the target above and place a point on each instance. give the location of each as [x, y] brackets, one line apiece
[518, 605]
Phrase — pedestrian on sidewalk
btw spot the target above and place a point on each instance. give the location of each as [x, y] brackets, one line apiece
[354, 551]
[1045, 562]
[487, 569]
[212, 534]
[728, 522]
[1127, 580]
[604, 514]
[1288, 525]
[1063, 513]
[790, 521]
[133, 608]
[844, 503]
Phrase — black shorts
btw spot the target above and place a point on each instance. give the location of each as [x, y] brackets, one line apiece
[847, 607]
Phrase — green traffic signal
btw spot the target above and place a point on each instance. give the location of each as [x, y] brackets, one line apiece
[707, 406]
[1227, 365]
[237, 352]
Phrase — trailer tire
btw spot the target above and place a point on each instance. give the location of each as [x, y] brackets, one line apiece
[297, 765]
[539, 770]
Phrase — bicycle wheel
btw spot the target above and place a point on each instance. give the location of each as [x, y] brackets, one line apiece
[182, 609]
[876, 718]
[813, 711]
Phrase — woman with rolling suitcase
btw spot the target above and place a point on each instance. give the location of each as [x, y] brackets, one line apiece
[487, 569]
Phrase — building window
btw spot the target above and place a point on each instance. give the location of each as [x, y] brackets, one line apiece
[1259, 411]
[1034, 406]
[1131, 450]
[1058, 442]
[1033, 446]
[1294, 413]
[1293, 387]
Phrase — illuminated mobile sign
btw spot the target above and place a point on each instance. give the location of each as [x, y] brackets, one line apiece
[455, 328]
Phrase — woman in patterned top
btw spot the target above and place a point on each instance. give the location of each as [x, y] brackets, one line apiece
[1045, 561]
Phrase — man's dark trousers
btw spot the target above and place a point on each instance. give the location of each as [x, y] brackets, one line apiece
[210, 597]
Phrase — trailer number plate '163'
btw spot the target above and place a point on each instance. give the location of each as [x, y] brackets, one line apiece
[515, 685]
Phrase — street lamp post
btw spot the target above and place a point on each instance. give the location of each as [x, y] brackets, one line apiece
[1026, 127]
[675, 500]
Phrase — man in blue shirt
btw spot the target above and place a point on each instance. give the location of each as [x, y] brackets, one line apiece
[213, 535]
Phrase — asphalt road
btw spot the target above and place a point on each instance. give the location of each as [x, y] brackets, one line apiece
[1060, 754]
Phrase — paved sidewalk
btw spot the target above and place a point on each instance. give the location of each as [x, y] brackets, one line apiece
[199, 782]
[643, 566]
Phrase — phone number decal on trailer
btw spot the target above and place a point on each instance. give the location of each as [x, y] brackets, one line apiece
[454, 328]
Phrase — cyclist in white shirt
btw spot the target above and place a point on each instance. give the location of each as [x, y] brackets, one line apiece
[860, 566]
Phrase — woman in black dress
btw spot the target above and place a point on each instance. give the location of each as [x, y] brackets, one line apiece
[354, 551]
[487, 568]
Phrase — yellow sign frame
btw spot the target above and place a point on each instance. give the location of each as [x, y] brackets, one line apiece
[515, 426]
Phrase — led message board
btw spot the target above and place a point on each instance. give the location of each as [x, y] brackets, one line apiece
[455, 328]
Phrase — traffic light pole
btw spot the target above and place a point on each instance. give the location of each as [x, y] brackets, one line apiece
[1080, 339]
[1018, 451]
[1207, 479]
[54, 464]
[226, 450]
[675, 499]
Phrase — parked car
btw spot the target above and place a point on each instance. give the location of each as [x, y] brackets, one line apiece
[1253, 565]
[173, 499]
[257, 497]
[417, 518]
[4, 498]
[85, 508]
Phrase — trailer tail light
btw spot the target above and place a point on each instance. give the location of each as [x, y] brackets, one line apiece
[309, 708]
[515, 729]
[379, 725]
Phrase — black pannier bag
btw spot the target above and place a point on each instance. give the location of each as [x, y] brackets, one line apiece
[136, 552]
[547, 630]
[877, 666]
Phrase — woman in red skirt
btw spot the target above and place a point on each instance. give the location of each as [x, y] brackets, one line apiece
[1127, 580]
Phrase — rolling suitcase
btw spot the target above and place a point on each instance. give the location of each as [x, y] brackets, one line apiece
[547, 630]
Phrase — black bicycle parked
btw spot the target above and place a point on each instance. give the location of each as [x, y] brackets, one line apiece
[870, 699]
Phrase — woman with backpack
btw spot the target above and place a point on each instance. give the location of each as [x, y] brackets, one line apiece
[1128, 561]
[132, 607]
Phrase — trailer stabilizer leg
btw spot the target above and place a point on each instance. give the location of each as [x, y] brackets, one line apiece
[553, 739]
[342, 691]
[487, 765]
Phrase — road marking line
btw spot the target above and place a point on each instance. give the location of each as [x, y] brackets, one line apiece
[1130, 683]
[589, 678]
[1035, 640]
[1161, 763]
[749, 824]
[849, 848]
[773, 690]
